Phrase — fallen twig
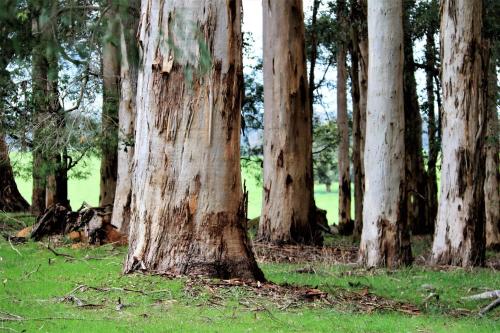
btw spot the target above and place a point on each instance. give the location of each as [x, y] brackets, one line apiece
[83, 287]
[60, 254]
[12, 246]
[34, 271]
[485, 295]
[490, 307]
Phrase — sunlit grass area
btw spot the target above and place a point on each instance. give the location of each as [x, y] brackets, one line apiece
[85, 291]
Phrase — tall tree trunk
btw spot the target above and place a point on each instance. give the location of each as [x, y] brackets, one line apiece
[129, 70]
[287, 209]
[40, 68]
[385, 238]
[460, 228]
[356, 133]
[492, 182]
[416, 180]
[360, 126]
[434, 146]
[314, 53]
[111, 100]
[342, 123]
[54, 146]
[10, 198]
[188, 208]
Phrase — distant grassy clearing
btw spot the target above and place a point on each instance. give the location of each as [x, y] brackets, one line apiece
[87, 189]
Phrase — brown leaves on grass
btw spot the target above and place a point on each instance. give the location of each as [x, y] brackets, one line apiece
[265, 252]
[257, 295]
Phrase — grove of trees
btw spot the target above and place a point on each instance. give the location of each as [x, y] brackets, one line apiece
[157, 90]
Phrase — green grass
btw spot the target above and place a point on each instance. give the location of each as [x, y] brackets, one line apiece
[34, 281]
[87, 189]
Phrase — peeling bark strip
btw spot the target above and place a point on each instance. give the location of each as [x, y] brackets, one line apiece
[459, 236]
[432, 128]
[187, 201]
[126, 114]
[287, 207]
[385, 238]
[359, 121]
[492, 182]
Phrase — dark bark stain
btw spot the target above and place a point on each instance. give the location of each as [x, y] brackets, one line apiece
[463, 171]
[288, 181]
[279, 162]
[267, 192]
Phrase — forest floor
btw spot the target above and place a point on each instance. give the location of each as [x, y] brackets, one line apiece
[309, 290]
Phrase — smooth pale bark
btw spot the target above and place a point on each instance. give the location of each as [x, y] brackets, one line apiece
[110, 105]
[385, 237]
[126, 116]
[416, 177]
[10, 198]
[459, 237]
[342, 125]
[432, 185]
[492, 182]
[188, 208]
[360, 122]
[288, 213]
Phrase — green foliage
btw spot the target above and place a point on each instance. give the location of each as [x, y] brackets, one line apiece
[326, 140]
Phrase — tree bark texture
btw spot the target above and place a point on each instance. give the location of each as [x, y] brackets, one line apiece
[492, 182]
[416, 178]
[359, 123]
[126, 115]
[288, 205]
[385, 237]
[110, 105]
[10, 198]
[342, 121]
[40, 70]
[188, 209]
[459, 237]
[432, 131]
[356, 133]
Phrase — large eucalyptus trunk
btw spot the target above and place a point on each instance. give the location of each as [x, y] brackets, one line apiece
[459, 237]
[432, 130]
[110, 105]
[10, 198]
[416, 180]
[492, 182]
[385, 238]
[288, 203]
[188, 208]
[343, 123]
[126, 115]
[359, 123]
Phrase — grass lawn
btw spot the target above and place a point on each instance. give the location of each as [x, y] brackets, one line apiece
[87, 189]
[42, 292]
